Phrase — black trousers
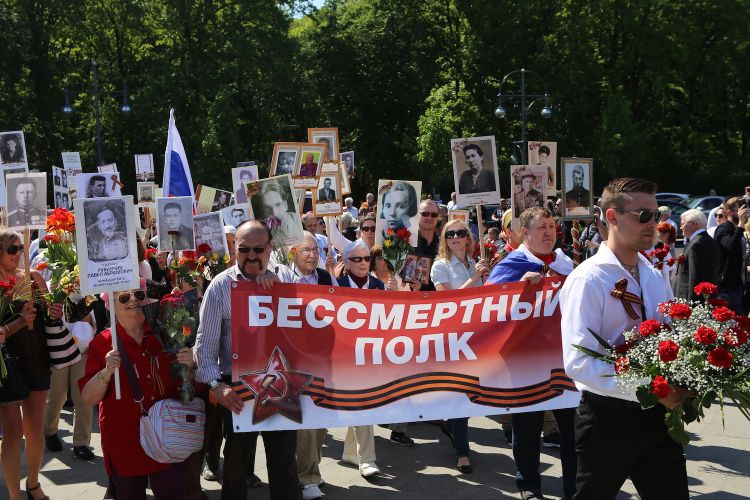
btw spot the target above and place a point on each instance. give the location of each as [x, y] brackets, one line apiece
[616, 440]
[239, 458]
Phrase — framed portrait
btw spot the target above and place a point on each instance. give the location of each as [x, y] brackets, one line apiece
[234, 215]
[416, 269]
[528, 189]
[347, 158]
[329, 167]
[60, 187]
[106, 229]
[146, 194]
[273, 201]
[327, 196]
[72, 161]
[174, 218]
[246, 171]
[144, 167]
[13, 150]
[101, 185]
[475, 171]
[284, 158]
[545, 153]
[309, 163]
[209, 230]
[461, 215]
[26, 195]
[109, 167]
[577, 181]
[346, 187]
[211, 199]
[329, 137]
[398, 205]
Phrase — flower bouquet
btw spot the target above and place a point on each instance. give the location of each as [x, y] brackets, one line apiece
[10, 292]
[395, 248]
[212, 262]
[178, 326]
[489, 250]
[660, 257]
[187, 268]
[704, 350]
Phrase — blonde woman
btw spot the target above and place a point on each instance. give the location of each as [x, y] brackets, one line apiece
[454, 269]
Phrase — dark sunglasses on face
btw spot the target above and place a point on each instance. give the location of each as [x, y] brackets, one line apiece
[719, 216]
[368, 229]
[253, 249]
[14, 249]
[644, 216]
[366, 258]
[434, 215]
[124, 298]
[461, 233]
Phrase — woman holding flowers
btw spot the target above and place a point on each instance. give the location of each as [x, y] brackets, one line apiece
[126, 462]
[23, 322]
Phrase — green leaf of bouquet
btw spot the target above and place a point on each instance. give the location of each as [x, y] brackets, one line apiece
[646, 397]
[601, 341]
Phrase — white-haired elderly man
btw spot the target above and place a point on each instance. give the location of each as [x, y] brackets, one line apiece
[349, 207]
[666, 213]
[700, 259]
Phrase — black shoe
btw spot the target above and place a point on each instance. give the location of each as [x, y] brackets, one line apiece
[529, 495]
[401, 438]
[110, 493]
[83, 452]
[254, 481]
[552, 441]
[509, 436]
[465, 469]
[37, 487]
[53, 442]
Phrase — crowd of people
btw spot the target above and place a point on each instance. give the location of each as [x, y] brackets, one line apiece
[619, 240]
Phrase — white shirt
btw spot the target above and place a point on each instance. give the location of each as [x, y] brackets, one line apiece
[291, 274]
[453, 272]
[323, 247]
[353, 211]
[699, 231]
[586, 304]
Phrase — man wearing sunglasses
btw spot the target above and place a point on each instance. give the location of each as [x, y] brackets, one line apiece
[615, 437]
[428, 239]
[214, 342]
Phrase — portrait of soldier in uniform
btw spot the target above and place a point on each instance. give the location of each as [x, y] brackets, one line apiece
[27, 204]
[105, 231]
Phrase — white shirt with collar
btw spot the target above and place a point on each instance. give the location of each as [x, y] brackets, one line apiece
[699, 231]
[292, 274]
[453, 272]
[586, 304]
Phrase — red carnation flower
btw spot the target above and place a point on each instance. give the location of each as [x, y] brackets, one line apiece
[723, 314]
[649, 327]
[670, 262]
[718, 303]
[622, 365]
[204, 248]
[660, 386]
[663, 308]
[705, 335]
[623, 348]
[735, 337]
[680, 311]
[681, 259]
[660, 253]
[705, 288]
[720, 357]
[668, 350]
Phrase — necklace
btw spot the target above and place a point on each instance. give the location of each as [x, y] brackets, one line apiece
[633, 270]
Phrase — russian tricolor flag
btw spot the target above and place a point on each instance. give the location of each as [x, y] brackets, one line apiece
[177, 178]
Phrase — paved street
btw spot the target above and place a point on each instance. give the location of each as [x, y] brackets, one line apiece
[718, 466]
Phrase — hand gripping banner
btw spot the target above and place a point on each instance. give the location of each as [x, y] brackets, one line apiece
[314, 356]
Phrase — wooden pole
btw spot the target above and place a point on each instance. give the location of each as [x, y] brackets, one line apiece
[480, 223]
[328, 238]
[113, 331]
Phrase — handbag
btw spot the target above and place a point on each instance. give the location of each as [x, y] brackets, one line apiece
[61, 346]
[12, 387]
[170, 431]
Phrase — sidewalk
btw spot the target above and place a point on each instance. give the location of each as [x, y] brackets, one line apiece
[718, 466]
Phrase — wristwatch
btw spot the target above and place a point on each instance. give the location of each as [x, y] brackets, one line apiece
[215, 383]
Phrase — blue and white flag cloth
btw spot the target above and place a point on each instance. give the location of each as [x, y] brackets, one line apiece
[522, 261]
[177, 178]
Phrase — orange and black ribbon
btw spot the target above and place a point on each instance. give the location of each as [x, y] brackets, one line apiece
[116, 182]
[548, 271]
[627, 298]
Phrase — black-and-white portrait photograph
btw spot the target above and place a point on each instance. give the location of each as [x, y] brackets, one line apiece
[347, 157]
[59, 186]
[344, 176]
[222, 199]
[398, 204]
[109, 167]
[244, 172]
[327, 197]
[234, 215]
[329, 137]
[144, 167]
[146, 194]
[209, 230]
[106, 229]
[475, 171]
[174, 217]
[13, 149]
[545, 153]
[284, 158]
[101, 185]
[72, 161]
[26, 195]
[577, 196]
[528, 186]
[273, 201]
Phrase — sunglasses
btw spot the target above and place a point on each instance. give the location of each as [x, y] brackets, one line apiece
[253, 249]
[367, 229]
[461, 233]
[366, 258]
[14, 249]
[434, 215]
[719, 216]
[124, 298]
[644, 216]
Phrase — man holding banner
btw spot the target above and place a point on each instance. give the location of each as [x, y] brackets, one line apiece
[214, 342]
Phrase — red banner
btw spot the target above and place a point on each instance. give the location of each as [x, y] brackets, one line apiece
[313, 356]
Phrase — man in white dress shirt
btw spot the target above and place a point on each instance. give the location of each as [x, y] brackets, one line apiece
[615, 438]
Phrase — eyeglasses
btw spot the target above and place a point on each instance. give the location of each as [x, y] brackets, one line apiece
[367, 229]
[719, 216]
[434, 215]
[253, 249]
[14, 249]
[644, 216]
[461, 233]
[308, 251]
[124, 298]
[366, 258]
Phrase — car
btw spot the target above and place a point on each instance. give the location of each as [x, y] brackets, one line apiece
[705, 203]
[678, 197]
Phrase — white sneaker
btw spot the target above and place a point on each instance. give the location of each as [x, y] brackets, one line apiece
[311, 492]
[350, 460]
[368, 469]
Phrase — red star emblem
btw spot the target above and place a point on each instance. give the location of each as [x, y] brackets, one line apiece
[277, 389]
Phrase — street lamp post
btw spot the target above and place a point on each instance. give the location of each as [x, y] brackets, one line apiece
[97, 93]
[521, 98]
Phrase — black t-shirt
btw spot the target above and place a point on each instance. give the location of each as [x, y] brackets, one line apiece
[429, 250]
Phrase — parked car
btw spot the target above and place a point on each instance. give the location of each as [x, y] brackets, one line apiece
[705, 203]
[678, 197]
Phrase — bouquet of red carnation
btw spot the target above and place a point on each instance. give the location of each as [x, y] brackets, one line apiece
[660, 257]
[704, 350]
[395, 248]
[178, 325]
[151, 253]
[212, 262]
[489, 250]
